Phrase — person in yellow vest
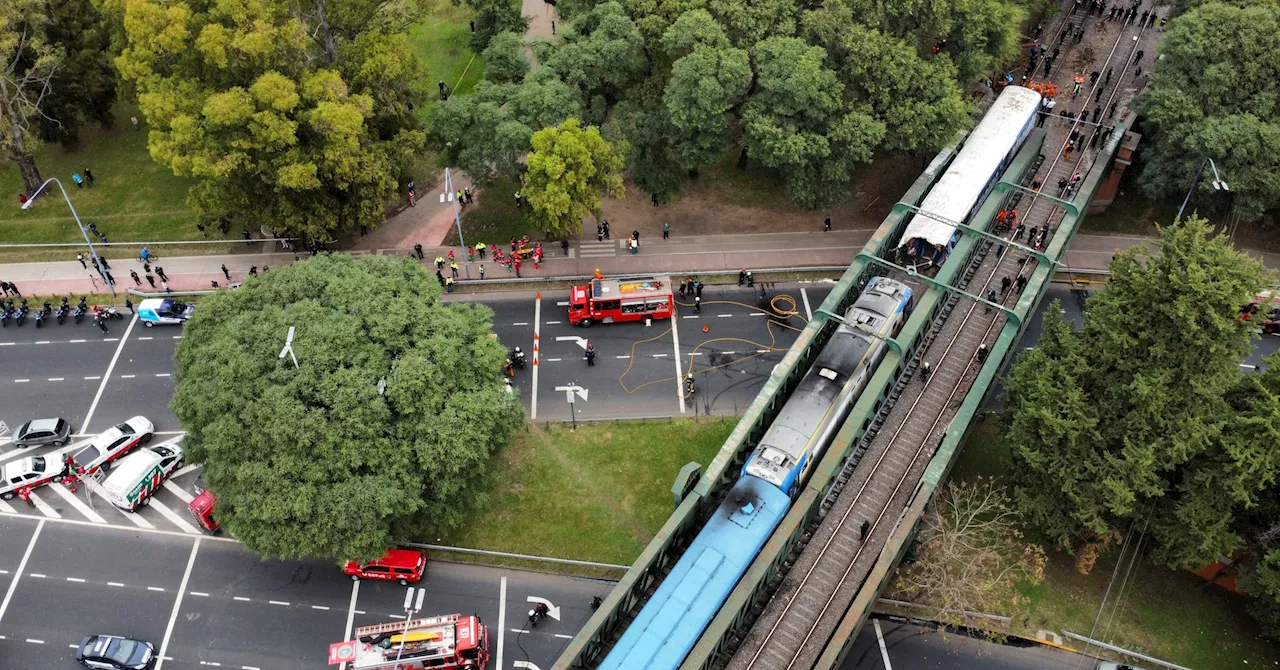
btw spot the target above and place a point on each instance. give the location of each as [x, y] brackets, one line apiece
[480, 247]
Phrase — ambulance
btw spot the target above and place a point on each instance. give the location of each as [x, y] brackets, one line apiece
[137, 476]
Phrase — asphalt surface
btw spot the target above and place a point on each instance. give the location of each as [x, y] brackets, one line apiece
[886, 644]
[208, 602]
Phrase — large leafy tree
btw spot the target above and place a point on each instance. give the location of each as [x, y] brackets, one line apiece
[601, 54]
[504, 59]
[488, 132]
[797, 122]
[1214, 96]
[394, 407]
[705, 86]
[31, 63]
[1142, 408]
[494, 17]
[283, 130]
[569, 167]
[84, 87]
[643, 121]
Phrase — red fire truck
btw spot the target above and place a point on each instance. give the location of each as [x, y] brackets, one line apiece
[609, 300]
[449, 642]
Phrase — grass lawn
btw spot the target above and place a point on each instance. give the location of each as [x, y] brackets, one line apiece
[1170, 614]
[442, 41]
[495, 219]
[595, 494]
[134, 197]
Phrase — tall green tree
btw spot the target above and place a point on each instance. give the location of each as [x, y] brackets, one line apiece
[643, 121]
[504, 59]
[395, 405]
[1118, 418]
[31, 63]
[568, 169]
[601, 54]
[705, 87]
[494, 17]
[1213, 96]
[84, 86]
[240, 95]
[797, 122]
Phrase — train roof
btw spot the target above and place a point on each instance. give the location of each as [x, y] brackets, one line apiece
[672, 621]
[958, 190]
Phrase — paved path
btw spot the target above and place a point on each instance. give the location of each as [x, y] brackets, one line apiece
[710, 253]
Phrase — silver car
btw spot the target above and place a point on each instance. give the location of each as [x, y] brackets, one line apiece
[41, 432]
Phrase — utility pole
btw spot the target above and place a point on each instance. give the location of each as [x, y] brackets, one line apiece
[93, 254]
[457, 217]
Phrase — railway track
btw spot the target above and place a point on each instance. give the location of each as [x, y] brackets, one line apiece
[795, 625]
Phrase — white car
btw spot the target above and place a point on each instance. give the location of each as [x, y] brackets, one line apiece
[117, 441]
[32, 471]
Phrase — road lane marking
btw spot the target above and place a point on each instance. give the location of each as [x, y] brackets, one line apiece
[502, 615]
[177, 491]
[115, 584]
[21, 381]
[884, 653]
[174, 518]
[156, 589]
[757, 314]
[163, 374]
[177, 337]
[75, 579]
[198, 593]
[521, 323]
[723, 316]
[728, 353]
[693, 316]
[537, 350]
[57, 379]
[554, 360]
[143, 338]
[320, 607]
[93, 378]
[128, 376]
[153, 531]
[79, 340]
[22, 565]
[35, 641]
[10, 344]
[562, 636]
[241, 599]
[562, 303]
[107, 375]
[278, 602]
[74, 500]
[659, 355]
[177, 603]
[622, 357]
[111, 339]
[553, 323]
[675, 344]
[44, 507]
[42, 342]
[805, 297]
[39, 575]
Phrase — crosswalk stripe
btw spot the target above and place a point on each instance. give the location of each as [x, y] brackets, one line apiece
[44, 507]
[73, 500]
[7, 508]
[177, 491]
[175, 518]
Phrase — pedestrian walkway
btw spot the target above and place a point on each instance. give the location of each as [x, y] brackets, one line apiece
[708, 253]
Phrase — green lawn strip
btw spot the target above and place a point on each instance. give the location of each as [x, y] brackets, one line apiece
[1169, 614]
[595, 494]
[494, 218]
[442, 41]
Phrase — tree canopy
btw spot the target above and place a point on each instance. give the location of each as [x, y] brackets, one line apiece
[1142, 412]
[569, 167]
[307, 135]
[1213, 96]
[504, 59]
[396, 405]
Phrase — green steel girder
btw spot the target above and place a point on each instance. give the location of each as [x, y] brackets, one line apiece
[1009, 313]
[893, 344]
[1069, 205]
[902, 206]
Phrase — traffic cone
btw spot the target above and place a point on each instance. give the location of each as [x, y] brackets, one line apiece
[706, 327]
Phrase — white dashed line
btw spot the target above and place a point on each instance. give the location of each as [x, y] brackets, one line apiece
[520, 630]
[21, 381]
[93, 378]
[202, 595]
[562, 636]
[211, 664]
[144, 338]
[7, 344]
[155, 588]
[128, 376]
[78, 341]
[111, 339]
[553, 323]
[249, 667]
[728, 353]
[553, 360]
[240, 598]
[396, 616]
[622, 357]
[37, 575]
[522, 323]
[723, 316]
[757, 314]
[177, 337]
[278, 602]
[75, 579]
[691, 316]
[659, 355]
[115, 584]
[762, 351]
[320, 607]
[162, 374]
[43, 342]
[35, 641]
[562, 303]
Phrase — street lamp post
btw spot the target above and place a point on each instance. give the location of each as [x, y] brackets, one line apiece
[101, 272]
[457, 217]
[1218, 184]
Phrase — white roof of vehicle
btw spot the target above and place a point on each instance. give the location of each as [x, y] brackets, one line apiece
[958, 190]
[130, 469]
[22, 466]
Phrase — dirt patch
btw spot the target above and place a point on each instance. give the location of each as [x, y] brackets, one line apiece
[726, 200]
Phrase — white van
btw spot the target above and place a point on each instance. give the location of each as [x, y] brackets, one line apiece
[136, 477]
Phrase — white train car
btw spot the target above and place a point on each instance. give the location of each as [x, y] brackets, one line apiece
[970, 177]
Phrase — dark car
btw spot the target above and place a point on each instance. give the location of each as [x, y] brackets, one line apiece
[42, 431]
[115, 653]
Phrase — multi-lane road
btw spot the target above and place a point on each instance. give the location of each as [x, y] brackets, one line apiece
[73, 564]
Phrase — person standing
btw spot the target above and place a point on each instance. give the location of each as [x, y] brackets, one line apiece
[151, 280]
[137, 281]
[826, 225]
[225, 272]
[482, 271]
[1005, 282]
[448, 284]
[480, 248]
[606, 228]
[599, 232]
[653, 198]
[160, 272]
[453, 267]
[666, 231]
[439, 263]
[88, 175]
[75, 177]
[591, 354]
[80, 257]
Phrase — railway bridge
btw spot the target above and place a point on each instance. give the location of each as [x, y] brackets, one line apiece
[804, 598]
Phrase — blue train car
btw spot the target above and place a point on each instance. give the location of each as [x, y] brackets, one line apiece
[677, 613]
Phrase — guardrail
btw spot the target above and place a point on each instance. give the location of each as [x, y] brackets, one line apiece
[1122, 650]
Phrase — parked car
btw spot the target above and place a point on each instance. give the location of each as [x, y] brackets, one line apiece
[32, 471]
[41, 432]
[115, 653]
[164, 311]
[115, 442]
[405, 566]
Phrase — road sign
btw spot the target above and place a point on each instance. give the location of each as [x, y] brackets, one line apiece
[342, 652]
[552, 610]
[582, 341]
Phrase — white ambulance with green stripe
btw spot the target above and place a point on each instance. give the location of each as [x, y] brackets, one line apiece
[136, 477]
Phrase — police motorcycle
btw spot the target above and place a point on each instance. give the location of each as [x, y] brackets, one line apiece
[517, 358]
[63, 310]
[6, 313]
[80, 309]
